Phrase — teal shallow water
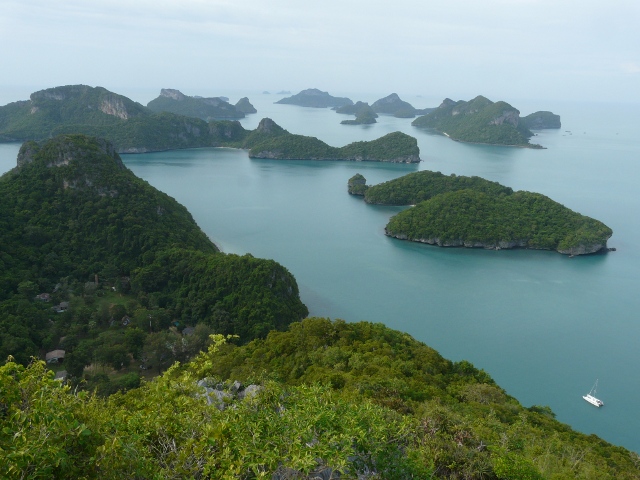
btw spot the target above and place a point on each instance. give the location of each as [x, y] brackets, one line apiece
[543, 325]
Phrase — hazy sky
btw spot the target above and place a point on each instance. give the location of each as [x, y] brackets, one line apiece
[503, 49]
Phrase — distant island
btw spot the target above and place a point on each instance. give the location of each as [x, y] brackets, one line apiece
[312, 97]
[482, 121]
[461, 211]
[133, 128]
[174, 101]
[271, 141]
[541, 120]
[363, 112]
[393, 105]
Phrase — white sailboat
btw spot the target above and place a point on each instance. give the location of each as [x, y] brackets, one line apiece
[590, 397]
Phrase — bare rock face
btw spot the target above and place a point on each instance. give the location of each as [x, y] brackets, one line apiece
[511, 117]
[172, 93]
[113, 105]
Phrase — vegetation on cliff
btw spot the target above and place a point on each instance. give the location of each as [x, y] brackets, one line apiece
[120, 263]
[478, 121]
[332, 399]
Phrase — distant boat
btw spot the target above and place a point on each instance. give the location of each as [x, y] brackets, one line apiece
[590, 397]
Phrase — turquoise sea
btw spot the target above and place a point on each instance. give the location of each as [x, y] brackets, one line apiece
[544, 326]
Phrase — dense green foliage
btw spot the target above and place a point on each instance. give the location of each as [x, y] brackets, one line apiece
[312, 97]
[77, 224]
[359, 400]
[416, 187]
[239, 295]
[393, 147]
[522, 219]
[198, 107]
[478, 121]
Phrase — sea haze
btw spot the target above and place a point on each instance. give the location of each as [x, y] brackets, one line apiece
[544, 326]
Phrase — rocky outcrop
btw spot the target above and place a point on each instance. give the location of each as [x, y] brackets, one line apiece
[500, 245]
[113, 105]
[357, 185]
[172, 94]
[511, 117]
[221, 394]
[585, 249]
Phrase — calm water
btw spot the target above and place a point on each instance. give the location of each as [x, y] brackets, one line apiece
[543, 325]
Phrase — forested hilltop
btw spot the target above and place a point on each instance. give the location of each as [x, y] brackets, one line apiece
[101, 265]
[474, 212]
[321, 400]
[482, 121]
[133, 128]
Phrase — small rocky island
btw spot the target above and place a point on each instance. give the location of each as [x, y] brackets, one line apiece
[482, 121]
[458, 211]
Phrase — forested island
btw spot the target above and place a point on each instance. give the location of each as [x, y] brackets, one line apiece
[133, 128]
[482, 121]
[312, 97]
[271, 141]
[116, 275]
[459, 211]
[212, 108]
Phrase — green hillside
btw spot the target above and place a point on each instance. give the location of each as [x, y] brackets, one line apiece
[478, 121]
[76, 224]
[321, 400]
